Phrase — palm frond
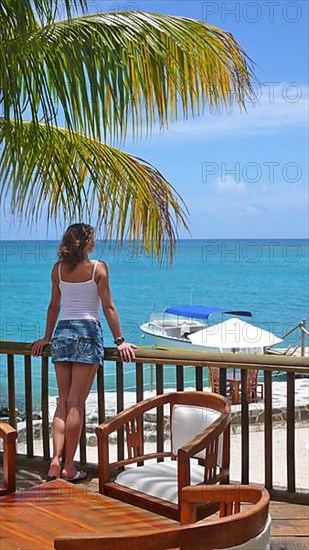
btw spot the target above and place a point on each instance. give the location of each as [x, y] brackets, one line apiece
[18, 16]
[78, 177]
[104, 71]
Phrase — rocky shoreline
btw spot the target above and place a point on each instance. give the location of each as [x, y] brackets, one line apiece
[256, 420]
[256, 413]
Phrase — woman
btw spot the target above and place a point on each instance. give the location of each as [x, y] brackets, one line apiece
[77, 345]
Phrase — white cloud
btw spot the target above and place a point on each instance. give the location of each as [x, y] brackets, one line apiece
[275, 109]
[229, 184]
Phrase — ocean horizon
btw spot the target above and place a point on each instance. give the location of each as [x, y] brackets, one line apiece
[266, 276]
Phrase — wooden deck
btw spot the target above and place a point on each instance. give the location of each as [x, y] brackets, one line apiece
[290, 522]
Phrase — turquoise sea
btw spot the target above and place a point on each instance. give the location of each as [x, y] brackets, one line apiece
[268, 277]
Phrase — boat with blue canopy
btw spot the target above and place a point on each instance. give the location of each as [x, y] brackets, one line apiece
[187, 327]
[203, 312]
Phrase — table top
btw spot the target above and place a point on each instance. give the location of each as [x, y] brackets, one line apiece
[33, 518]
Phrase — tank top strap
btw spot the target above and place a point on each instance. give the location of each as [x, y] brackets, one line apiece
[59, 272]
[95, 265]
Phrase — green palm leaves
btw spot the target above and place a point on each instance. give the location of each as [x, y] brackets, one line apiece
[74, 173]
[100, 76]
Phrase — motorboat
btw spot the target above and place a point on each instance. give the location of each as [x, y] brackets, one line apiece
[188, 328]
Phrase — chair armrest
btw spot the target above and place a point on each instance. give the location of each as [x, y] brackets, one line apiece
[9, 435]
[192, 496]
[106, 428]
[200, 441]
[152, 540]
[6, 430]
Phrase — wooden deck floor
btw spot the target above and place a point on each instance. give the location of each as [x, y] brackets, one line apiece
[290, 522]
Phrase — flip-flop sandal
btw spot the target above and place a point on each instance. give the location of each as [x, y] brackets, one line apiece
[79, 476]
[51, 478]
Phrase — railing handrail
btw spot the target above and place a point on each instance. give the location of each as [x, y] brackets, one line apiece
[196, 358]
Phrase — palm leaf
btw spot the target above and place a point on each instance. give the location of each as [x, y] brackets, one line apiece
[103, 72]
[78, 176]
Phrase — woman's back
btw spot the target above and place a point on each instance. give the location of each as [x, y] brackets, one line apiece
[79, 292]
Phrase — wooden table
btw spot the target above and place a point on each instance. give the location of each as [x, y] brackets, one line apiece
[32, 519]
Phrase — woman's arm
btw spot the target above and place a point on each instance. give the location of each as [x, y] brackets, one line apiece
[52, 315]
[110, 312]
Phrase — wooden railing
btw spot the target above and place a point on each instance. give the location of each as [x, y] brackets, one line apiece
[200, 360]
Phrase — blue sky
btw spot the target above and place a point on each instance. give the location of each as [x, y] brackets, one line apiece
[243, 175]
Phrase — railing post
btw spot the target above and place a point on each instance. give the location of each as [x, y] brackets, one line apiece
[290, 448]
[83, 441]
[222, 381]
[199, 378]
[268, 430]
[29, 412]
[11, 390]
[120, 405]
[244, 427]
[303, 337]
[179, 378]
[101, 394]
[45, 409]
[139, 380]
[151, 369]
[160, 411]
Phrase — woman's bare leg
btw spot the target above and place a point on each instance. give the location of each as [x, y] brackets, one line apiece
[63, 374]
[82, 378]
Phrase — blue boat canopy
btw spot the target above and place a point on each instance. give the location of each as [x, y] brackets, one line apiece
[203, 312]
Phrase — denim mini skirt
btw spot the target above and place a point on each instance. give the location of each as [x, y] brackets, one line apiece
[78, 341]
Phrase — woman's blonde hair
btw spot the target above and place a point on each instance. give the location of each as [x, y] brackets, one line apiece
[75, 240]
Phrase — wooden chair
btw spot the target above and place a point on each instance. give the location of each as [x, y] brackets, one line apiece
[253, 385]
[234, 385]
[249, 528]
[199, 453]
[8, 434]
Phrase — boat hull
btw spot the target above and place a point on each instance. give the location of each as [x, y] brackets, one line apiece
[173, 343]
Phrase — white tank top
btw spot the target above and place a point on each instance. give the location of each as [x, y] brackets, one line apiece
[79, 300]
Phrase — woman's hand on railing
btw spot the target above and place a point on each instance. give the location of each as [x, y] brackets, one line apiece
[38, 345]
[126, 351]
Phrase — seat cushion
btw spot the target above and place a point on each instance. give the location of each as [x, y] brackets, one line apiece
[187, 422]
[261, 542]
[159, 480]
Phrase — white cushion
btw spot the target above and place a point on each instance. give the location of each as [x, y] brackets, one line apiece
[187, 422]
[159, 480]
[261, 542]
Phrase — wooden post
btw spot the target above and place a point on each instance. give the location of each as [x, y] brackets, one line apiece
[120, 407]
[268, 430]
[45, 408]
[303, 337]
[151, 377]
[11, 390]
[29, 413]
[160, 411]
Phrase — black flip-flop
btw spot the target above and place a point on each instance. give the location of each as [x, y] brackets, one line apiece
[79, 476]
[51, 478]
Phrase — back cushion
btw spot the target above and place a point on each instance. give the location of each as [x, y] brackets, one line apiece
[187, 422]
